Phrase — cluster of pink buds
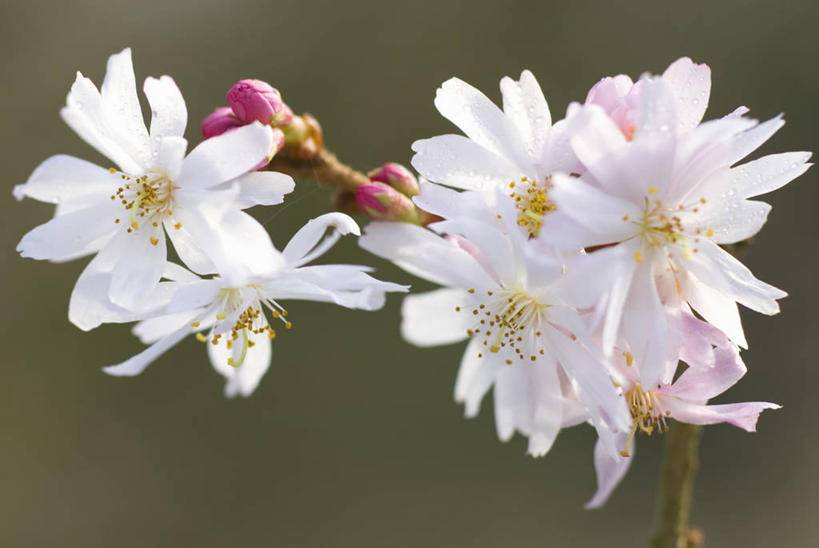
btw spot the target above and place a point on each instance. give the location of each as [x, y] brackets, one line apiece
[257, 101]
[388, 196]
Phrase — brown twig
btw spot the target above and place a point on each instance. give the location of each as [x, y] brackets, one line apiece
[323, 168]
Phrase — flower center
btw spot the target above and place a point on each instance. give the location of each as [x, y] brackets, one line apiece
[245, 316]
[532, 203]
[507, 319]
[663, 226]
[647, 412]
[149, 197]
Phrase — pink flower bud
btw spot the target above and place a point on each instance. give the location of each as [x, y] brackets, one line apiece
[384, 203]
[218, 122]
[257, 101]
[278, 144]
[398, 177]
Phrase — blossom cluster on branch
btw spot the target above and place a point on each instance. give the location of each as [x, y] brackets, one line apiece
[581, 259]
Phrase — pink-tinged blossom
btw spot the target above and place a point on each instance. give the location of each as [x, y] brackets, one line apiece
[257, 101]
[526, 338]
[663, 203]
[232, 314]
[383, 203]
[619, 96]
[713, 366]
[123, 213]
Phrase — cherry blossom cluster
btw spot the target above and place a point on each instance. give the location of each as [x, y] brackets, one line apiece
[581, 259]
[230, 285]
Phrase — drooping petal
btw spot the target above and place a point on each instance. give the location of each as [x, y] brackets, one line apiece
[310, 243]
[475, 377]
[700, 384]
[139, 267]
[226, 157]
[742, 415]
[459, 162]
[244, 379]
[433, 318]
[169, 115]
[610, 472]
[153, 329]
[263, 188]
[137, 364]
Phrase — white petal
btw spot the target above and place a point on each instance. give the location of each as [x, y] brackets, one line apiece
[691, 85]
[715, 307]
[475, 377]
[768, 173]
[170, 155]
[431, 319]
[187, 246]
[153, 329]
[263, 188]
[227, 156]
[558, 155]
[244, 379]
[71, 234]
[447, 203]
[425, 254]
[194, 295]
[456, 161]
[736, 221]
[525, 106]
[594, 136]
[121, 107]
[748, 141]
[139, 267]
[606, 219]
[137, 364]
[65, 178]
[491, 242]
[481, 120]
[609, 471]
[309, 242]
[169, 115]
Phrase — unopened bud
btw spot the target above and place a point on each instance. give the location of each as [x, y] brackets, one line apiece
[384, 203]
[219, 121]
[398, 177]
[303, 137]
[257, 101]
[278, 144]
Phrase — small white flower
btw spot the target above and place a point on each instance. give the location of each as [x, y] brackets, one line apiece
[516, 149]
[513, 305]
[124, 212]
[667, 199]
[234, 313]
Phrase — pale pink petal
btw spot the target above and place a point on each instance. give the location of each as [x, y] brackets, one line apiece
[434, 318]
[475, 376]
[524, 104]
[742, 415]
[610, 472]
[691, 86]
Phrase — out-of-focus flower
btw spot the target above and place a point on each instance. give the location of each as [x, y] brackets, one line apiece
[231, 314]
[124, 213]
[517, 148]
[512, 305]
[666, 200]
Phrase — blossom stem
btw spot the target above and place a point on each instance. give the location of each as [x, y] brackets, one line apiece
[676, 485]
[323, 167]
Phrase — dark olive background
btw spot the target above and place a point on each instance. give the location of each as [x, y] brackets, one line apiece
[352, 437]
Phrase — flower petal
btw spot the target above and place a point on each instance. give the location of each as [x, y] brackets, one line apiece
[742, 415]
[137, 364]
[525, 106]
[169, 115]
[227, 156]
[475, 377]
[432, 318]
[139, 267]
[310, 242]
[72, 234]
[459, 162]
[609, 472]
[65, 178]
[263, 188]
[691, 85]
[244, 379]
[121, 107]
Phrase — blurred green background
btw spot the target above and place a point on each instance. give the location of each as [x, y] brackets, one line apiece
[352, 438]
